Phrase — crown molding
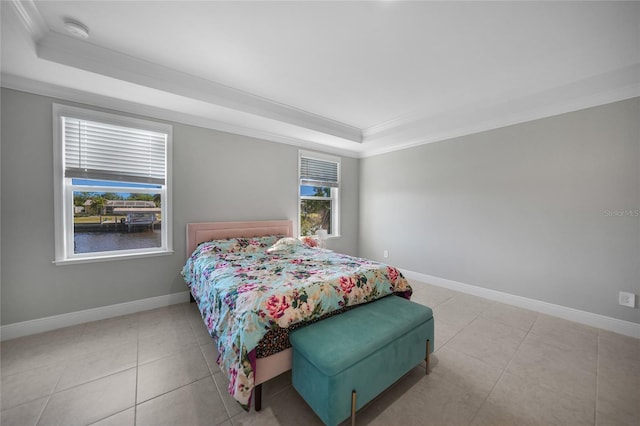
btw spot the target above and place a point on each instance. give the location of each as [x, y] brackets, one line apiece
[603, 88]
[14, 82]
[79, 54]
[614, 86]
[285, 124]
[504, 121]
[10, 81]
[30, 17]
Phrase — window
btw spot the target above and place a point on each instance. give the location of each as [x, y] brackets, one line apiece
[319, 188]
[112, 186]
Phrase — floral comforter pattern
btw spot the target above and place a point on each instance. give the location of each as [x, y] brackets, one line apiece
[246, 287]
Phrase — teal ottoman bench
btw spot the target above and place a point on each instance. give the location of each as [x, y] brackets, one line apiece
[343, 362]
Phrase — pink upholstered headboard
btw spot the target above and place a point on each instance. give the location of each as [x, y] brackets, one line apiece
[207, 231]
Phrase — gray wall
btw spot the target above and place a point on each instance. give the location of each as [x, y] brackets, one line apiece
[216, 177]
[521, 209]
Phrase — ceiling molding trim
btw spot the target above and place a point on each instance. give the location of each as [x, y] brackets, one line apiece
[523, 116]
[31, 18]
[609, 86]
[10, 81]
[69, 51]
[14, 82]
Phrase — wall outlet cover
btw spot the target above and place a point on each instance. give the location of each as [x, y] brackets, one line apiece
[627, 299]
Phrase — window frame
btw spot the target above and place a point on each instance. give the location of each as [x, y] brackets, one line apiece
[63, 189]
[335, 191]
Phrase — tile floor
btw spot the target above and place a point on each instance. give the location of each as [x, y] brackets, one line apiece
[494, 365]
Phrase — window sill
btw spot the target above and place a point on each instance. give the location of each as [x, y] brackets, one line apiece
[110, 258]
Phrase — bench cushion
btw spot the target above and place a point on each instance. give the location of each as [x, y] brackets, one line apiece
[366, 348]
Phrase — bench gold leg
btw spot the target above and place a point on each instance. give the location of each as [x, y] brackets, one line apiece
[426, 360]
[353, 408]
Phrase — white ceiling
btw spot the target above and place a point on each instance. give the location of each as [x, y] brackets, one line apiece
[356, 78]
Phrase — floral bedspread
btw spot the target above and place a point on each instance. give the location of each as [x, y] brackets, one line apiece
[245, 287]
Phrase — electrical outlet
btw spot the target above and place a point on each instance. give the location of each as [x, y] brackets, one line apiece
[385, 254]
[627, 299]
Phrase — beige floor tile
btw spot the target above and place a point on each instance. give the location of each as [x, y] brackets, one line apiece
[98, 364]
[465, 372]
[565, 333]
[192, 313]
[550, 377]
[123, 418]
[176, 310]
[91, 401]
[264, 418]
[289, 409]
[617, 407]
[583, 358]
[158, 320]
[494, 344]
[432, 400]
[490, 329]
[493, 414]
[430, 295]
[625, 343]
[166, 374]
[23, 415]
[474, 303]
[173, 340]
[210, 354]
[619, 360]
[614, 377]
[104, 335]
[512, 316]
[454, 313]
[271, 389]
[192, 405]
[122, 325]
[230, 404]
[28, 386]
[516, 401]
[619, 396]
[35, 342]
[405, 385]
[626, 358]
[163, 326]
[200, 331]
[560, 369]
[44, 349]
[443, 334]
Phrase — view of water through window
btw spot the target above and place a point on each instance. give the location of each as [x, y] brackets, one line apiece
[90, 242]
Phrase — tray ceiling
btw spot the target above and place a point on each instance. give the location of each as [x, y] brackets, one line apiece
[355, 78]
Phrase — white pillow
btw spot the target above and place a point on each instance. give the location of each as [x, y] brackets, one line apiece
[286, 243]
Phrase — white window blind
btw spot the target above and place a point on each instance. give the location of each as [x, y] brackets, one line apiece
[315, 172]
[104, 151]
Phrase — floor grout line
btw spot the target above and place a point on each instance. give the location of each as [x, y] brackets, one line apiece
[504, 370]
[475, 415]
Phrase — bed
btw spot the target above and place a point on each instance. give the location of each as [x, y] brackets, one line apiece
[253, 283]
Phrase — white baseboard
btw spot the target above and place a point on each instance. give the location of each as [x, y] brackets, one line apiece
[40, 325]
[594, 320]
[25, 328]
